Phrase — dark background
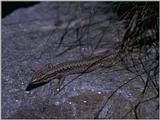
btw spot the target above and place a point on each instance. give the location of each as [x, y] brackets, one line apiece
[9, 7]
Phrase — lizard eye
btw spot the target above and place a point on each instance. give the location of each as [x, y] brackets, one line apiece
[37, 74]
[40, 72]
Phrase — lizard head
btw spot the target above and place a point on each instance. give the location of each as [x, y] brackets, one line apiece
[39, 76]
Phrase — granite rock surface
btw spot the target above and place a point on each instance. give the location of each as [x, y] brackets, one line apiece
[30, 38]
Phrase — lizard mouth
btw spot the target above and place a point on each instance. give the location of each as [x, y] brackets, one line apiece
[34, 85]
[35, 81]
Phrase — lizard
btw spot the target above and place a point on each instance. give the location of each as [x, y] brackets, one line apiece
[49, 72]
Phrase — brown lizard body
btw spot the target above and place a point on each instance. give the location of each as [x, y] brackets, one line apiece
[59, 71]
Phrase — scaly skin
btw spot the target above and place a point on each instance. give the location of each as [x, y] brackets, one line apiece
[50, 72]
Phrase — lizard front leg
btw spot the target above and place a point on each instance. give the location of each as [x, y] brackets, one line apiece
[59, 84]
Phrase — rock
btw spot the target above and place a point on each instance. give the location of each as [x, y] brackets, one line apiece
[30, 38]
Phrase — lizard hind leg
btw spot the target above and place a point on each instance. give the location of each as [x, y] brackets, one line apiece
[59, 84]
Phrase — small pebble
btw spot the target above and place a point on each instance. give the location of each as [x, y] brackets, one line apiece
[92, 90]
[24, 30]
[84, 101]
[27, 92]
[57, 103]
